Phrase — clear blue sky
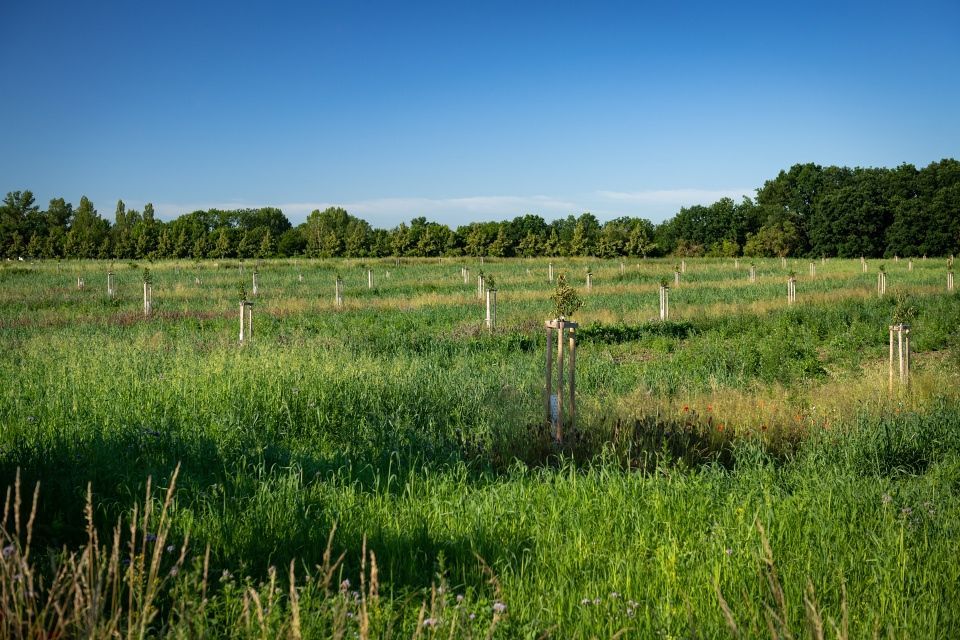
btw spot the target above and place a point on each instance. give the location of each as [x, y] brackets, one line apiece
[464, 110]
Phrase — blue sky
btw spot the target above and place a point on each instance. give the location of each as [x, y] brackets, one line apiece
[464, 111]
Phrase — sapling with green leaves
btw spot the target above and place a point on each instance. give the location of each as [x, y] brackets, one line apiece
[565, 299]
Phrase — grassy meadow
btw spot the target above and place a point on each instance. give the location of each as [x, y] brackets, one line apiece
[384, 469]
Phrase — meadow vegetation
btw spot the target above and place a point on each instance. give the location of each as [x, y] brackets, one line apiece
[384, 469]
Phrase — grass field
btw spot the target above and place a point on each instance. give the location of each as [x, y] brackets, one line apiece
[384, 469]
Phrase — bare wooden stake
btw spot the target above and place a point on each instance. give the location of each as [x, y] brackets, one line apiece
[147, 298]
[491, 309]
[550, 272]
[111, 290]
[664, 303]
[246, 321]
[561, 408]
[338, 293]
[369, 278]
[256, 283]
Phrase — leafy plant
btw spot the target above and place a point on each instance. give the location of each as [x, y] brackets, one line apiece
[565, 298]
[147, 277]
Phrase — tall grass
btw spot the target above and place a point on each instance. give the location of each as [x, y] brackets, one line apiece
[740, 471]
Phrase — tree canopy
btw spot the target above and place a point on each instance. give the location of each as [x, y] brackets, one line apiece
[807, 210]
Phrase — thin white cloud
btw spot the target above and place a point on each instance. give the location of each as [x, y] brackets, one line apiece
[678, 197]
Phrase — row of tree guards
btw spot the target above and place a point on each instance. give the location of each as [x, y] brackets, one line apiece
[491, 299]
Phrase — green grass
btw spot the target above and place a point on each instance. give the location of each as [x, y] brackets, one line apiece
[418, 435]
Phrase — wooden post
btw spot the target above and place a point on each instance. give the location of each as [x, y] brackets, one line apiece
[881, 283]
[338, 293]
[491, 309]
[572, 346]
[949, 280]
[753, 273]
[299, 277]
[548, 391]
[550, 272]
[823, 259]
[863, 264]
[906, 355]
[813, 270]
[783, 262]
[621, 268]
[676, 278]
[554, 404]
[664, 303]
[369, 278]
[110, 289]
[902, 332]
[736, 263]
[791, 290]
[466, 276]
[890, 383]
[480, 287]
[909, 265]
[79, 282]
[147, 298]
[683, 266]
[589, 281]
[900, 350]
[246, 321]
[256, 288]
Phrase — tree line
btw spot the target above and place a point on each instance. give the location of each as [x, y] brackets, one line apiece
[808, 210]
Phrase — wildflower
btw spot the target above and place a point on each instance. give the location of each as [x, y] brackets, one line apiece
[174, 571]
[459, 598]
[473, 616]
[170, 548]
[709, 408]
[225, 575]
[720, 427]
[886, 499]
[499, 607]
[906, 511]
[585, 602]
[728, 551]
[596, 601]
[614, 595]
[8, 551]
[431, 622]
[345, 585]
[686, 408]
[630, 611]
[30, 418]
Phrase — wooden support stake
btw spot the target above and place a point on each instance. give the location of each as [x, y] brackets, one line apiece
[369, 278]
[256, 283]
[338, 293]
[111, 291]
[147, 299]
[491, 309]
